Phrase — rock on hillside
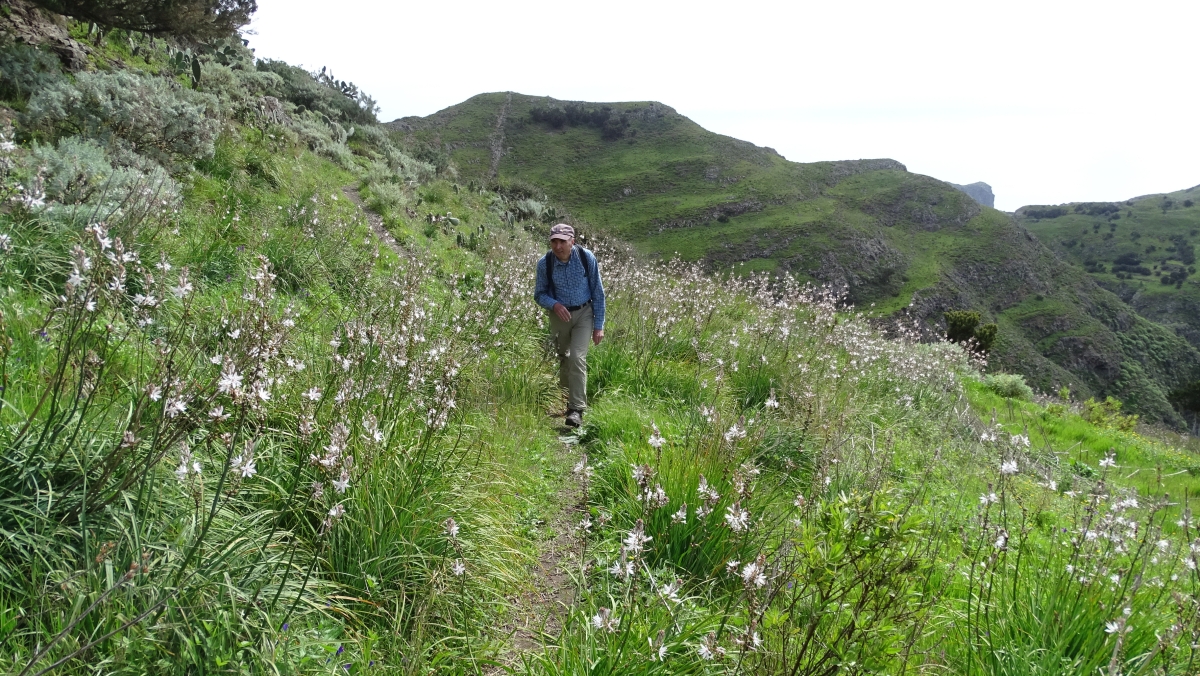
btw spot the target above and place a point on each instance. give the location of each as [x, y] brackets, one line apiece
[979, 191]
[896, 242]
[21, 21]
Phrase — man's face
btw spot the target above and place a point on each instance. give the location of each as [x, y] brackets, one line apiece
[562, 248]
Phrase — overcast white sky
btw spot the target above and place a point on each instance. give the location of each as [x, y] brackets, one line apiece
[1046, 101]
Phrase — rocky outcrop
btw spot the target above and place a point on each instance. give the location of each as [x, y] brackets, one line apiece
[22, 22]
[845, 168]
[980, 192]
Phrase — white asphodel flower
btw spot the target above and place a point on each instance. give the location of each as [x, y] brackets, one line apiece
[182, 289]
[670, 591]
[230, 382]
[737, 518]
[605, 620]
[735, 432]
[656, 439]
[636, 539]
[680, 516]
[1008, 467]
[343, 482]
[244, 464]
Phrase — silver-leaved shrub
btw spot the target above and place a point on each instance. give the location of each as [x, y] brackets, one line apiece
[77, 171]
[129, 114]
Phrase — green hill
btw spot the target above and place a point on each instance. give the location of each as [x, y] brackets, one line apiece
[892, 240]
[1142, 249]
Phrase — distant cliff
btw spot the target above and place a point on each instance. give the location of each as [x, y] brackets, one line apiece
[980, 192]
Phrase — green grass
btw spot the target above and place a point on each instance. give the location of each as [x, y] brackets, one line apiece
[1074, 447]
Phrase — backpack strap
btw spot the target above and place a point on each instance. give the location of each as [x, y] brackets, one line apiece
[584, 257]
[549, 263]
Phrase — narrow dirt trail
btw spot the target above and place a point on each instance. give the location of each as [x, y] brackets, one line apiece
[497, 139]
[544, 603]
[540, 609]
[543, 610]
[374, 220]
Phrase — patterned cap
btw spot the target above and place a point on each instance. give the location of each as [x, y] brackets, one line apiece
[562, 231]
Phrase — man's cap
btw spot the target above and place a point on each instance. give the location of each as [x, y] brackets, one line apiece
[562, 231]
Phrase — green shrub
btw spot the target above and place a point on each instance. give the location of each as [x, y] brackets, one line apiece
[1108, 414]
[74, 169]
[985, 336]
[238, 91]
[1008, 385]
[962, 326]
[130, 115]
[385, 197]
[185, 18]
[337, 101]
[324, 137]
[1187, 397]
[374, 137]
[435, 194]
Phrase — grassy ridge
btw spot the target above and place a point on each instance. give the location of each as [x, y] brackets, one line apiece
[894, 241]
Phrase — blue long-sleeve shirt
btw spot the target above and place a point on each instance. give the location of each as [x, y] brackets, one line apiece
[570, 284]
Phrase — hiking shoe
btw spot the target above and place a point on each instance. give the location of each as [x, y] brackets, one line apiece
[574, 419]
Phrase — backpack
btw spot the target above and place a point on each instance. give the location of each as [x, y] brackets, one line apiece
[549, 261]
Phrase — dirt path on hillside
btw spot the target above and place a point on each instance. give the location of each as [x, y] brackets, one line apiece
[553, 594]
[541, 607]
[375, 221]
[497, 140]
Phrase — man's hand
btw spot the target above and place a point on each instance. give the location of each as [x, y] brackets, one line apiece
[597, 336]
[562, 312]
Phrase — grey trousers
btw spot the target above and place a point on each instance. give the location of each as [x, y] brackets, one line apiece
[572, 340]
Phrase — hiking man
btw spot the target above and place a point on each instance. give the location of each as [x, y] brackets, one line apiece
[568, 285]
